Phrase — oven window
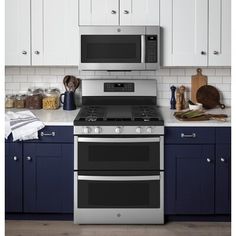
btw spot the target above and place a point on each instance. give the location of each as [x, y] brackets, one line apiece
[118, 194]
[110, 49]
[118, 156]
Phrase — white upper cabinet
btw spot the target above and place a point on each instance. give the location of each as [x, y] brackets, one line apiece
[17, 32]
[55, 32]
[220, 32]
[184, 34]
[195, 32]
[139, 12]
[42, 32]
[119, 12]
[99, 12]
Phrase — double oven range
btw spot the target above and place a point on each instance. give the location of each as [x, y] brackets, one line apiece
[118, 154]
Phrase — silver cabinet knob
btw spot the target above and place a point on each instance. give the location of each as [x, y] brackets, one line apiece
[36, 52]
[126, 12]
[15, 158]
[29, 158]
[215, 53]
[222, 159]
[118, 130]
[208, 160]
[113, 12]
[24, 52]
[203, 52]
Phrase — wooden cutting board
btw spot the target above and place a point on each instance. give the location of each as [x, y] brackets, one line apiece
[198, 81]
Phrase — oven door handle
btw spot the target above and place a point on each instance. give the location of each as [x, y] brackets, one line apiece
[119, 178]
[119, 140]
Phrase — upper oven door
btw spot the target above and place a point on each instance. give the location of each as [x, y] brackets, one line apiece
[143, 153]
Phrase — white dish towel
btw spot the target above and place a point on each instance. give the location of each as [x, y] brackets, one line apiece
[23, 125]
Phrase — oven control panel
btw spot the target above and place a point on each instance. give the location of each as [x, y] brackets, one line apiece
[118, 87]
[118, 130]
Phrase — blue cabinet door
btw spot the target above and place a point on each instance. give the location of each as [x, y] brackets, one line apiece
[189, 179]
[13, 177]
[48, 177]
[223, 179]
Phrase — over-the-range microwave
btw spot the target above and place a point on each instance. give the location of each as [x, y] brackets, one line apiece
[114, 48]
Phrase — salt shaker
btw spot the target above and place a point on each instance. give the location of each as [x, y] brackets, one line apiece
[178, 100]
[173, 100]
[182, 97]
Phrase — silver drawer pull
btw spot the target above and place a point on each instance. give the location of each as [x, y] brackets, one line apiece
[193, 135]
[48, 134]
[119, 178]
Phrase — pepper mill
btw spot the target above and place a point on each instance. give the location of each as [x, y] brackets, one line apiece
[172, 100]
[178, 100]
[182, 98]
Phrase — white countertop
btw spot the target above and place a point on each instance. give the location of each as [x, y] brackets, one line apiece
[65, 118]
[170, 120]
[58, 117]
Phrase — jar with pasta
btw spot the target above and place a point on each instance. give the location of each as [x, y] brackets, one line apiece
[51, 100]
[9, 101]
[34, 98]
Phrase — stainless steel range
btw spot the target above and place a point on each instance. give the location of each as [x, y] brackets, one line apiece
[118, 156]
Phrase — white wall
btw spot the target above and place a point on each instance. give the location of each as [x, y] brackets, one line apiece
[20, 78]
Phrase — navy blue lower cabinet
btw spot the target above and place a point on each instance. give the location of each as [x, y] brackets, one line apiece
[223, 179]
[189, 179]
[13, 177]
[48, 178]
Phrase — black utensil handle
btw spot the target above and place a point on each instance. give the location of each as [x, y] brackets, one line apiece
[61, 98]
[222, 106]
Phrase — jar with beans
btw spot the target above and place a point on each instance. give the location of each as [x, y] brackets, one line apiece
[20, 101]
[34, 98]
[51, 100]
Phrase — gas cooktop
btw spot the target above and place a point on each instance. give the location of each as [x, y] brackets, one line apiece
[122, 115]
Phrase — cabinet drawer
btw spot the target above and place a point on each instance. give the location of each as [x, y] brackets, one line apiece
[180, 135]
[223, 135]
[57, 134]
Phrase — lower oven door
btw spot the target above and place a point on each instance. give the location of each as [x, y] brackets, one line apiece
[126, 153]
[119, 199]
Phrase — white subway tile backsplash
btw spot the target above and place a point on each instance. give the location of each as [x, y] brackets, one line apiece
[57, 71]
[21, 78]
[214, 79]
[42, 70]
[27, 70]
[223, 71]
[169, 80]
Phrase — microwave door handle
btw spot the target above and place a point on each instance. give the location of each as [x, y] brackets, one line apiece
[119, 140]
[119, 178]
[143, 43]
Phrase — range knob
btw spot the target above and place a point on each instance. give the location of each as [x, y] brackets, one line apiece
[138, 130]
[149, 130]
[118, 130]
[86, 130]
[97, 130]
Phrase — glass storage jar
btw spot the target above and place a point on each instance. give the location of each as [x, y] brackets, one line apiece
[51, 100]
[20, 101]
[9, 100]
[34, 98]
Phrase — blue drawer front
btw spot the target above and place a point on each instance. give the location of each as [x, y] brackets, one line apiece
[223, 135]
[192, 135]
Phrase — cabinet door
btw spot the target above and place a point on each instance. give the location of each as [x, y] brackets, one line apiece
[48, 178]
[223, 179]
[17, 32]
[13, 177]
[189, 179]
[99, 12]
[184, 34]
[141, 12]
[219, 32]
[55, 32]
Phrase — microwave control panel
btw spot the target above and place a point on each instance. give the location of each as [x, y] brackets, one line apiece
[151, 49]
